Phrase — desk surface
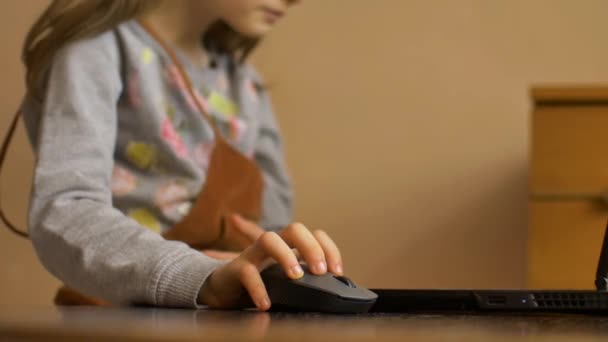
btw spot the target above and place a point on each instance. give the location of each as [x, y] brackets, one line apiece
[152, 324]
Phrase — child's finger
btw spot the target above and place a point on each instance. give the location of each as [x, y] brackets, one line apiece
[221, 255]
[332, 253]
[298, 236]
[252, 282]
[271, 245]
[249, 229]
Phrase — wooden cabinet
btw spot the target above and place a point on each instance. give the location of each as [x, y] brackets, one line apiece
[568, 186]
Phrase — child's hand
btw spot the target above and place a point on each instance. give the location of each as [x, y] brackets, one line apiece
[220, 255]
[227, 284]
[246, 232]
[240, 233]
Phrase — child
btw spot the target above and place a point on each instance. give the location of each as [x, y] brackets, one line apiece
[149, 128]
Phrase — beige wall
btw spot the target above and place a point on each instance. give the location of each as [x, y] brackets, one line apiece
[406, 127]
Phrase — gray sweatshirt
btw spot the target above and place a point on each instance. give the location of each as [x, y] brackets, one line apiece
[121, 154]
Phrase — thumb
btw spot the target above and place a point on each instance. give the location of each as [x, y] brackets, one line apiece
[221, 255]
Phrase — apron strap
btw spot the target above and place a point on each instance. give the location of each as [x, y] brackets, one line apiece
[3, 152]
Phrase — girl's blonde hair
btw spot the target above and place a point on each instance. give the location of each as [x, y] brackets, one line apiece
[65, 21]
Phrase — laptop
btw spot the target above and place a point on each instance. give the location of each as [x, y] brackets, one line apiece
[562, 301]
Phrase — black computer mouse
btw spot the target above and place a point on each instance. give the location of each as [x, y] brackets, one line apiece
[320, 293]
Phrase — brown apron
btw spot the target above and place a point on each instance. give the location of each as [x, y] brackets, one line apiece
[234, 185]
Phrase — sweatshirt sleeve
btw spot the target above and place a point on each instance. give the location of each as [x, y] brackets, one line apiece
[269, 156]
[77, 233]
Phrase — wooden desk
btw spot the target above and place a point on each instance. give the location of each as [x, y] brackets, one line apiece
[151, 324]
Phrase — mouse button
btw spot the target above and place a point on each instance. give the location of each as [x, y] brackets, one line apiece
[346, 281]
[328, 283]
[321, 282]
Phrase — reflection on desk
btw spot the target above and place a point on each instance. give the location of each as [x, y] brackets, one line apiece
[154, 324]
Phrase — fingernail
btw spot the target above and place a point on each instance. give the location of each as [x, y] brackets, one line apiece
[339, 269]
[321, 267]
[296, 272]
[264, 304]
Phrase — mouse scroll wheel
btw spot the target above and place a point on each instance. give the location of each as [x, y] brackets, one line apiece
[346, 281]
